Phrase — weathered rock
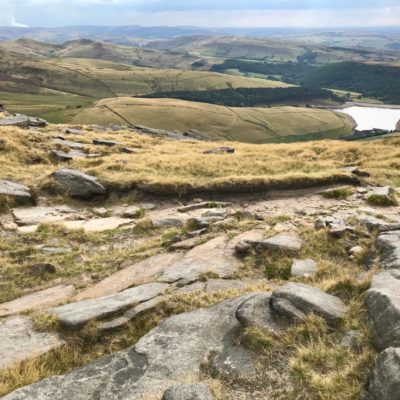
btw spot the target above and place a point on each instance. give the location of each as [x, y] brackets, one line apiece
[319, 224]
[382, 196]
[256, 312]
[138, 273]
[103, 142]
[132, 212]
[23, 121]
[20, 193]
[164, 357]
[55, 249]
[356, 171]
[203, 204]
[185, 244]
[351, 340]
[283, 242]
[389, 246]
[79, 184]
[220, 150]
[216, 213]
[19, 341]
[382, 302]
[68, 143]
[98, 224]
[385, 381]
[76, 314]
[41, 269]
[192, 391]
[374, 223]
[168, 222]
[72, 155]
[130, 150]
[39, 300]
[296, 300]
[72, 131]
[304, 268]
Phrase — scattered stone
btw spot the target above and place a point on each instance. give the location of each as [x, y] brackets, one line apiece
[20, 193]
[55, 250]
[296, 300]
[72, 155]
[71, 131]
[220, 150]
[132, 212]
[243, 215]
[167, 222]
[185, 244]
[337, 231]
[356, 251]
[305, 268]
[79, 184]
[193, 391]
[130, 150]
[19, 341]
[216, 213]
[68, 143]
[39, 300]
[23, 121]
[284, 242]
[76, 314]
[382, 196]
[382, 302]
[41, 269]
[167, 355]
[256, 312]
[356, 171]
[385, 381]
[102, 142]
[102, 211]
[197, 233]
[44, 215]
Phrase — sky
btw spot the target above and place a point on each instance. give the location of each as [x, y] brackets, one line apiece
[205, 13]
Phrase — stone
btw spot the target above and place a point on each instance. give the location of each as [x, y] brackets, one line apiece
[101, 211]
[382, 196]
[215, 213]
[98, 224]
[256, 312]
[79, 184]
[103, 142]
[76, 314]
[19, 120]
[132, 212]
[167, 222]
[185, 244]
[388, 244]
[20, 193]
[382, 303]
[283, 242]
[351, 340]
[68, 143]
[192, 391]
[71, 131]
[55, 250]
[319, 224]
[72, 155]
[41, 269]
[385, 381]
[305, 268]
[130, 150]
[355, 170]
[38, 300]
[296, 300]
[44, 215]
[203, 204]
[377, 224]
[137, 273]
[166, 356]
[20, 342]
[356, 251]
[220, 150]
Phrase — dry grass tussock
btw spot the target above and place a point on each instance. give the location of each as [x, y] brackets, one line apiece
[179, 167]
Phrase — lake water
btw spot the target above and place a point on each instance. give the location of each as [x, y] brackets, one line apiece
[368, 118]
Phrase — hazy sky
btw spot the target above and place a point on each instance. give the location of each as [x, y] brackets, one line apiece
[207, 13]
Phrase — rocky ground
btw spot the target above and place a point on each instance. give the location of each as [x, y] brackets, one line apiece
[288, 294]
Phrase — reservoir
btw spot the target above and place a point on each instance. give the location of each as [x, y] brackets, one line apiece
[368, 118]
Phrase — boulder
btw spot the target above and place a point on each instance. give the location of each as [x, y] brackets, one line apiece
[256, 312]
[166, 356]
[385, 381]
[193, 391]
[296, 300]
[19, 193]
[23, 121]
[76, 314]
[382, 196]
[305, 268]
[382, 302]
[283, 242]
[388, 244]
[220, 150]
[79, 184]
[38, 300]
[72, 155]
[19, 341]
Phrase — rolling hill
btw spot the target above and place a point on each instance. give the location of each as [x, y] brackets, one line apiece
[251, 125]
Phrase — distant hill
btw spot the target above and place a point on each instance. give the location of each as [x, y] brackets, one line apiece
[251, 125]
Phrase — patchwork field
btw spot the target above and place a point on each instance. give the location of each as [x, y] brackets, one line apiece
[252, 125]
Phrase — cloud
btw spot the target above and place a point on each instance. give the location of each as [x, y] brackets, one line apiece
[7, 17]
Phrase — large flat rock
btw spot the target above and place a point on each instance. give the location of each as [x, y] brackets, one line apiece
[382, 302]
[19, 341]
[296, 300]
[44, 215]
[284, 242]
[39, 300]
[389, 245]
[166, 356]
[98, 224]
[138, 273]
[20, 193]
[78, 313]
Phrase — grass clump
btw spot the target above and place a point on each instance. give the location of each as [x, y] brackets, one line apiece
[383, 201]
[340, 193]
